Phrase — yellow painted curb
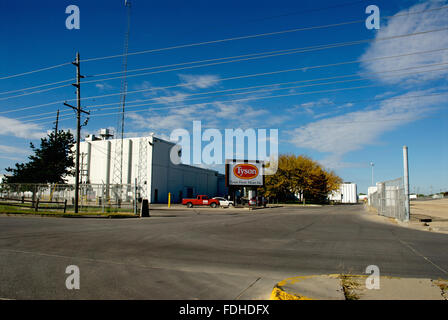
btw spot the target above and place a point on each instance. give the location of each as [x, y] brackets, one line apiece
[279, 294]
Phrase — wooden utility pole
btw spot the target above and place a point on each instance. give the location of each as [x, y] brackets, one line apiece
[56, 125]
[78, 110]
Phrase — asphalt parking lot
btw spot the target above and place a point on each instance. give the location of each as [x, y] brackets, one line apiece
[206, 253]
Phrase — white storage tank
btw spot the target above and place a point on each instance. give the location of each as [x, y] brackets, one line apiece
[349, 192]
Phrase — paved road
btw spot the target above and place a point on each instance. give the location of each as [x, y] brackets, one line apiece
[205, 254]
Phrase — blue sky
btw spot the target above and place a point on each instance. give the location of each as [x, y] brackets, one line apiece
[374, 108]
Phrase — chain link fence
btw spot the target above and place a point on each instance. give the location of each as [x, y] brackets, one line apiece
[389, 199]
[92, 197]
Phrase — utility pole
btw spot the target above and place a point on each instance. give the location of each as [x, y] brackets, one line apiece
[406, 183]
[56, 125]
[372, 164]
[78, 110]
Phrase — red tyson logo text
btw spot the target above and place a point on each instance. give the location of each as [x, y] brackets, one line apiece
[245, 171]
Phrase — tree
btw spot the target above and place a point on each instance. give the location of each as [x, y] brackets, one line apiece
[300, 176]
[52, 162]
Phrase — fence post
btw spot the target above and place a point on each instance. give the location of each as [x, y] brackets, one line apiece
[381, 198]
[135, 197]
[37, 205]
[33, 199]
[65, 205]
[103, 199]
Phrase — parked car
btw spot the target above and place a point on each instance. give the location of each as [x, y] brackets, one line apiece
[200, 200]
[253, 201]
[223, 202]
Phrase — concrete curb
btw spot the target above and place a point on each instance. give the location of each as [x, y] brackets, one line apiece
[412, 224]
[354, 287]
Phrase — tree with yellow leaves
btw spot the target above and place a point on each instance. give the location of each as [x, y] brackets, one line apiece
[300, 177]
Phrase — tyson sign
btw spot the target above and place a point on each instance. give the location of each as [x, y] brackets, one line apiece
[240, 173]
[245, 171]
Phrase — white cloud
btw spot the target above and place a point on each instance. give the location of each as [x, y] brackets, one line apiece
[169, 119]
[194, 82]
[346, 105]
[400, 25]
[213, 115]
[143, 86]
[19, 129]
[13, 150]
[383, 95]
[10, 158]
[335, 162]
[242, 115]
[103, 86]
[352, 131]
[149, 90]
[176, 97]
[308, 107]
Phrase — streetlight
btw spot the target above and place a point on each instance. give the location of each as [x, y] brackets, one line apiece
[371, 165]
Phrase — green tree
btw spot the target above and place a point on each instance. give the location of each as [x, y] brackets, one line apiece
[52, 162]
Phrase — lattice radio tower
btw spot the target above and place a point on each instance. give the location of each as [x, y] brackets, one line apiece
[119, 134]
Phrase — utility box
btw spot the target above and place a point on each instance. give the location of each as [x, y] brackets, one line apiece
[144, 211]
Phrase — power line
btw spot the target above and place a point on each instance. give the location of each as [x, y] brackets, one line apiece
[238, 77]
[277, 72]
[284, 83]
[34, 71]
[366, 74]
[288, 14]
[263, 55]
[307, 11]
[294, 94]
[249, 99]
[273, 89]
[34, 92]
[39, 86]
[222, 40]
[259, 35]
[252, 56]
[259, 86]
[268, 97]
[238, 58]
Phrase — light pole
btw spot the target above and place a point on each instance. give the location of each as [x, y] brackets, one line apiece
[371, 165]
[406, 183]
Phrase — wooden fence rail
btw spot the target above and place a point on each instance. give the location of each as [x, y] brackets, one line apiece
[36, 204]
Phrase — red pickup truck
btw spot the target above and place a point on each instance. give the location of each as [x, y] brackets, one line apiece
[200, 200]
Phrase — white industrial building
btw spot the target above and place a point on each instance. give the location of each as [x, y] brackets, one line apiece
[145, 162]
[347, 193]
